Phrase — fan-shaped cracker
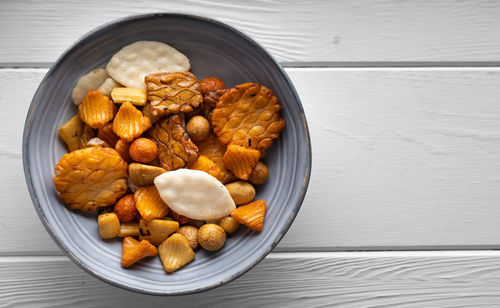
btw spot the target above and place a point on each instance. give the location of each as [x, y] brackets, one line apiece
[96, 109]
[129, 122]
[90, 178]
[133, 62]
[248, 115]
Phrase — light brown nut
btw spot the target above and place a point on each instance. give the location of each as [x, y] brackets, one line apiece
[122, 148]
[70, 132]
[109, 225]
[125, 208]
[211, 237]
[90, 178]
[143, 150]
[175, 148]
[248, 115]
[229, 224]
[106, 133]
[149, 203]
[259, 174]
[157, 230]
[96, 109]
[175, 253]
[191, 234]
[171, 93]
[129, 229]
[240, 160]
[133, 251]
[198, 128]
[241, 192]
[129, 122]
[211, 84]
[143, 175]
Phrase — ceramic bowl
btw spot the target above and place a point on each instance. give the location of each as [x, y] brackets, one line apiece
[214, 49]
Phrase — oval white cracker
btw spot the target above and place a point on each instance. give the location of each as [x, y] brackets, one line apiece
[107, 86]
[133, 62]
[91, 81]
[194, 194]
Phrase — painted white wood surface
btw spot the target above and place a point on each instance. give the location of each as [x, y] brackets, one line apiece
[281, 280]
[293, 31]
[402, 159]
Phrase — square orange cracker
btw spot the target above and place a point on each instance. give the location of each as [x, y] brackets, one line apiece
[149, 203]
[251, 214]
[129, 122]
[204, 163]
[96, 109]
[170, 93]
[175, 148]
[240, 160]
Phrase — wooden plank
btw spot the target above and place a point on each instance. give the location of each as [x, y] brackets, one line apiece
[290, 280]
[402, 159]
[295, 31]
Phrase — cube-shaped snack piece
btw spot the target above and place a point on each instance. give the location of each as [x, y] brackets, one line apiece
[175, 253]
[251, 214]
[157, 230]
[171, 93]
[248, 115]
[204, 163]
[90, 178]
[134, 95]
[130, 123]
[70, 132]
[109, 225]
[107, 134]
[96, 109]
[240, 160]
[143, 175]
[129, 229]
[133, 251]
[149, 203]
[175, 148]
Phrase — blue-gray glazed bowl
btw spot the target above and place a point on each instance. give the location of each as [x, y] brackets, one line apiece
[214, 49]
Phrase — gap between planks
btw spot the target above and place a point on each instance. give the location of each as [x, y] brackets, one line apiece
[310, 255]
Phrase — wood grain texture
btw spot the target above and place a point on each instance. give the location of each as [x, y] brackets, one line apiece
[34, 31]
[402, 159]
[287, 280]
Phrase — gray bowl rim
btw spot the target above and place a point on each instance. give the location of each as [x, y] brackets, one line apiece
[25, 149]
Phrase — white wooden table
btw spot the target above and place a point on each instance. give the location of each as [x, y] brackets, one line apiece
[403, 104]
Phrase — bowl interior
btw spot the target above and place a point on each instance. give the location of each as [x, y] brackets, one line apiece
[214, 50]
